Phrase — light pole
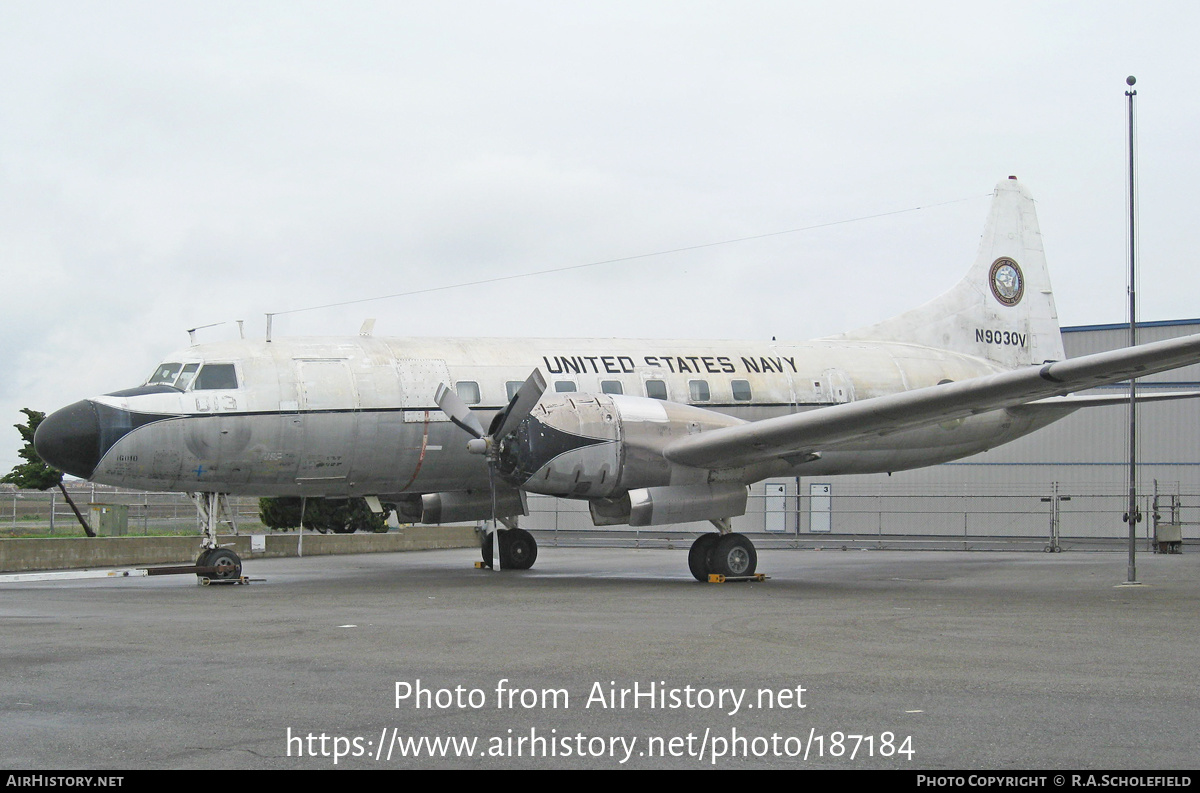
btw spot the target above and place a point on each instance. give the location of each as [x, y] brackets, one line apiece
[1133, 516]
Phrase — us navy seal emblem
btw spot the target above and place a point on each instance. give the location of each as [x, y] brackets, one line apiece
[1007, 282]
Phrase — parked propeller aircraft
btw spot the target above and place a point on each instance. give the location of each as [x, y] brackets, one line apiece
[648, 432]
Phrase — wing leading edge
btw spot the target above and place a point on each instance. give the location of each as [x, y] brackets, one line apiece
[812, 431]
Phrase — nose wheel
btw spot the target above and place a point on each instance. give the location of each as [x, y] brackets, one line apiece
[226, 564]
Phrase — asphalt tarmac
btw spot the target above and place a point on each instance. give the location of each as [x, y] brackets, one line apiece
[855, 659]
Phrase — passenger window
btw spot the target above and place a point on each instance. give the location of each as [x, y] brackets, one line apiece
[698, 390]
[564, 386]
[214, 376]
[611, 387]
[512, 387]
[741, 390]
[656, 389]
[186, 377]
[468, 391]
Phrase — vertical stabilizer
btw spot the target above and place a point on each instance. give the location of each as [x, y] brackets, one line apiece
[1003, 310]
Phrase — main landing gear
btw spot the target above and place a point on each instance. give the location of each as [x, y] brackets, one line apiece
[518, 549]
[728, 554]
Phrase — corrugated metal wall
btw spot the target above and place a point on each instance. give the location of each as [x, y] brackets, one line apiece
[1085, 455]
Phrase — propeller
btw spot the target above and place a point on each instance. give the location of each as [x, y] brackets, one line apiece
[505, 422]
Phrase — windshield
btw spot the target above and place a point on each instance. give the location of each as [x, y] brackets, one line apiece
[189, 371]
[165, 374]
[211, 377]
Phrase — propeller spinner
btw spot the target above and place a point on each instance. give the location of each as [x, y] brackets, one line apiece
[505, 421]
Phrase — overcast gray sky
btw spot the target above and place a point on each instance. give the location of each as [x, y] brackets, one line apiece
[166, 165]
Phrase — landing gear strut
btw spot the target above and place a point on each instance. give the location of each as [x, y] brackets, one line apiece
[728, 554]
[213, 508]
[518, 549]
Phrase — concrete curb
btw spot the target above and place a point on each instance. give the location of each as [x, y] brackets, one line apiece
[65, 553]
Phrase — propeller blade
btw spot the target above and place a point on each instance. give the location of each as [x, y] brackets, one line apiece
[457, 410]
[524, 401]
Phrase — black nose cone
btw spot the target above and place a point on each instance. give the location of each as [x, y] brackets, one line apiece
[69, 439]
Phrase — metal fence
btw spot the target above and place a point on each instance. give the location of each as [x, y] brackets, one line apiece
[148, 513]
[1052, 518]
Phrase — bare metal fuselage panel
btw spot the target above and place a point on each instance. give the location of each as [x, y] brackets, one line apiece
[356, 416]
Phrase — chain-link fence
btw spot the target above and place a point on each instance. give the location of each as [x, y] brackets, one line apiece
[1051, 519]
[32, 511]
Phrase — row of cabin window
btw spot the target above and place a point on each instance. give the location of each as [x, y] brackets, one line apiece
[698, 390]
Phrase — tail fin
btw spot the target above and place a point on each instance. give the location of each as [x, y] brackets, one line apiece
[1003, 310]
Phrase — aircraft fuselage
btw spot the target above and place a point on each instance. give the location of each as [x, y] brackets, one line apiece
[356, 415]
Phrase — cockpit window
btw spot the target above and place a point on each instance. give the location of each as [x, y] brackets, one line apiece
[164, 375]
[185, 377]
[205, 377]
[214, 376]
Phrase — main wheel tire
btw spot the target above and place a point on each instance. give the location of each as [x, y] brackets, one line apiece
[486, 548]
[733, 555]
[518, 550]
[698, 555]
[227, 563]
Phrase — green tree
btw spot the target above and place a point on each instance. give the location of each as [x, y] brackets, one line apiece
[33, 474]
[339, 515]
[361, 518]
[279, 514]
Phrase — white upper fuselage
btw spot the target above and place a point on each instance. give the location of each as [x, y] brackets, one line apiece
[356, 415]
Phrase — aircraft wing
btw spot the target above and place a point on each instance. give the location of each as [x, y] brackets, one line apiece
[814, 430]
[1076, 401]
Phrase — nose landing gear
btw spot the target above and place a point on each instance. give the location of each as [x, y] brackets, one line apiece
[215, 563]
[224, 564]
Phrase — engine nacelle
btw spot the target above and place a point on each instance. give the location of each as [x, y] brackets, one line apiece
[597, 445]
[656, 506]
[467, 505]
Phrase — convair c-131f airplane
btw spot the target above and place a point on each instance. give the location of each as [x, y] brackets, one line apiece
[648, 432]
